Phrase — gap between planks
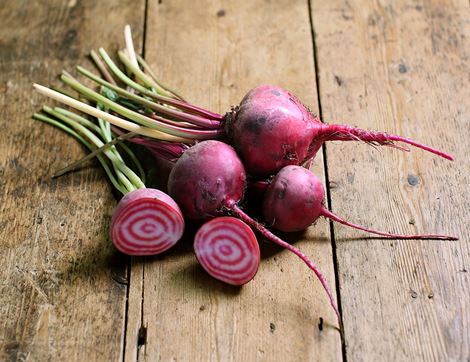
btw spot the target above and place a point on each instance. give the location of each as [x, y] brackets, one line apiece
[327, 182]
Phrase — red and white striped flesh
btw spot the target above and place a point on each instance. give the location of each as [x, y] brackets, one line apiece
[227, 249]
[146, 222]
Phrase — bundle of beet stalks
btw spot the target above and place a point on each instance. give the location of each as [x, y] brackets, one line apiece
[262, 144]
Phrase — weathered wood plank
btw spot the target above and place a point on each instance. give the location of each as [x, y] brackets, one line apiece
[58, 299]
[213, 52]
[401, 67]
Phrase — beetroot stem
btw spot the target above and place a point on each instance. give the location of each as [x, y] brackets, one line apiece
[335, 132]
[117, 121]
[177, 114]
[130, 44]
[330, 215]
[141, 76]
[270, 236]
[166, 100]
[147, 68]
[139, 118]
[102, 68]
[95, 153]
[117, 184]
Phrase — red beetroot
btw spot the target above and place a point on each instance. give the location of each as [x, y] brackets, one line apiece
[209, 180]
[271, 129]
[146, 222]
[205, 177]
[227, 249]
[295, 199]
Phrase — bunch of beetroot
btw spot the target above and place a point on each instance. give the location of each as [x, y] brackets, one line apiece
[261, 143]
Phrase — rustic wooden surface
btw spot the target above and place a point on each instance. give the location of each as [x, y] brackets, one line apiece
[401, 300]
[62, 295]
[229, 50]
[397, 66]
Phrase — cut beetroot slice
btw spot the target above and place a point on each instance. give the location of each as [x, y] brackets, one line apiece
[146, 222]
[227, 249]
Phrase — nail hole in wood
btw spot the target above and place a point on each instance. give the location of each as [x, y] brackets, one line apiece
[142, 336]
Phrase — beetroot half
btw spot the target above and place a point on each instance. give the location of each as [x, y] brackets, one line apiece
[146, 222]
[227, 249]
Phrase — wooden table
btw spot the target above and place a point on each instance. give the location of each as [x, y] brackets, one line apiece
[396, 66]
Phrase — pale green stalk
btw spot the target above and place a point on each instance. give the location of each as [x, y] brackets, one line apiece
[117, 121]
[77, 118]
[134, 160]
[95, 153]
[134, 179]
[134, 116]
[70, 131]
[150, 71]
[141, 100]
[149, 82]
[121, 75]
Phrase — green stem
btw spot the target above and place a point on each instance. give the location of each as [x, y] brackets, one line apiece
[134, 179]
[167, 100]
[130, 44]
[123, 111]
[121, 75]
[150, 71]
[43, 118]
[82, 120]
[149, 82]
[182, 116]
[135, 161]
[126, 182]
[95, 153]
[137, 117]
[111, 118]
[105, 127]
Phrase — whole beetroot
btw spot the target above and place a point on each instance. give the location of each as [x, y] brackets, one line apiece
[205, 178]
[272, 128]
[295, 199]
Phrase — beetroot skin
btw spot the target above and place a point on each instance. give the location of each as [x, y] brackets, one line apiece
[271, 129]
[294, 199]
[205, 178]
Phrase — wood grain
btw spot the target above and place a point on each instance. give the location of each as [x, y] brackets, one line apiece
[62, 295]
[397, 66]
[401, 67]
[213, 52]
